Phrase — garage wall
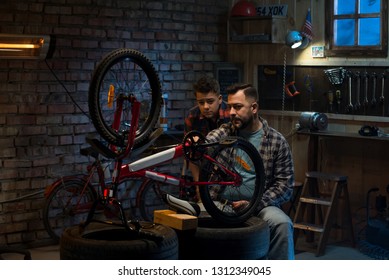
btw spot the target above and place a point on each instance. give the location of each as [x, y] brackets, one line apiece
[43, 104]
[364, 161]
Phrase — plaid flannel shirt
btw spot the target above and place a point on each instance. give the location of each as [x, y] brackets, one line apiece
[196, 121]
[277, 160]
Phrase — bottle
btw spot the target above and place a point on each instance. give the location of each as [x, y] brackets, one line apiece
[163, 117]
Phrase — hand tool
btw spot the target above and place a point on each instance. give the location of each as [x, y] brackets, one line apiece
[349, 107]
[338, 97]
[365, 100]
[382, 97]
[357, 104]
[373, 99]
[330, 96]
[336, 76]
[291, 89]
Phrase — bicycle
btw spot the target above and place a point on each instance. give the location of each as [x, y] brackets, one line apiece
[115, 110]
[70, 198]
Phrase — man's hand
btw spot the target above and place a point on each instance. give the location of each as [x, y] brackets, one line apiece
[239, 205]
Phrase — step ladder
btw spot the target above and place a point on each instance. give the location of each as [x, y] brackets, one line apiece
[317, 208]
[297, 188]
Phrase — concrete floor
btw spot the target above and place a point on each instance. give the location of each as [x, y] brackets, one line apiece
[45, 253]
[41, 253]
[333, 252]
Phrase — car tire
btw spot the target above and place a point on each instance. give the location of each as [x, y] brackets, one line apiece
[107, 242]
[216, 241]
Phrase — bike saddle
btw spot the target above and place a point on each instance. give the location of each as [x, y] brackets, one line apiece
[182, 206]
[97, 147]
[89, 151]
[101, 148]
[150, 141]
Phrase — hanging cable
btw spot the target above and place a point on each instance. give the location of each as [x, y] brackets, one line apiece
[22, 197]
[68, 93]
[283, 91]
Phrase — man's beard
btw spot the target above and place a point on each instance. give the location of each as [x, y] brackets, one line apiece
[243, 124]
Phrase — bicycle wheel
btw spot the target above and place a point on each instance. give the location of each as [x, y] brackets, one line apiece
[150, 199]
[221, 201]
[124, 72]
[67, 204]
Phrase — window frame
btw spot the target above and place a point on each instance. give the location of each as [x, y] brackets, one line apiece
[355, 51]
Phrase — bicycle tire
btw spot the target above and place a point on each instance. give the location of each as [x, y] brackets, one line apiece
[130, 73]
[149, 197]
[239, 156]
[107, 242]
[59, 211]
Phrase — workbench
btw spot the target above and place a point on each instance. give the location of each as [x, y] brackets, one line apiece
[313, 144]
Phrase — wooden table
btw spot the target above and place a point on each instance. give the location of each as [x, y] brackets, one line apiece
[313, 145]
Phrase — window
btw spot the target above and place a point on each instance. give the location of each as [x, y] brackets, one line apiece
[356, 28]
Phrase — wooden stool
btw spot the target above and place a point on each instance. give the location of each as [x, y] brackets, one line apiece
[322, 191]
[297, 188]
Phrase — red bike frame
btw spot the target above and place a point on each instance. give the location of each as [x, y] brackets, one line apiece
[142, 168]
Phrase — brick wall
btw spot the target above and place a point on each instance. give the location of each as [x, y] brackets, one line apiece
[42, 129]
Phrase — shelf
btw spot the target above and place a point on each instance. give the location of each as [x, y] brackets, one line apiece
[341, 134]
[256, 29]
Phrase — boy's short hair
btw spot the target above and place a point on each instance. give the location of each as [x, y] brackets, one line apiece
[206, 84]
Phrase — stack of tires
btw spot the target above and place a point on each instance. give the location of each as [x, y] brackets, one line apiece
[210, 240]
[215, 241]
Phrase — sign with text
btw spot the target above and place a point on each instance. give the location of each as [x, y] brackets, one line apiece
[272, 10]
[228, 75]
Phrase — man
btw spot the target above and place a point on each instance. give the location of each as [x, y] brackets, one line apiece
[277, 160]
[209, 113]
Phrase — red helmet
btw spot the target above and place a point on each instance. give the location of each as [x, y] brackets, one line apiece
[243, 8]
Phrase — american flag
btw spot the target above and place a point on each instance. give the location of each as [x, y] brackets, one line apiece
[307, 27]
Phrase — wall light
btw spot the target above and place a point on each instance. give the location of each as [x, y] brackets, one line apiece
[293, 39]
[14, 46]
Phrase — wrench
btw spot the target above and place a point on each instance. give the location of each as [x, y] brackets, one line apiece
[382, 97]
[349, 107]
[373, 99]
[365, 100]
[357, 104]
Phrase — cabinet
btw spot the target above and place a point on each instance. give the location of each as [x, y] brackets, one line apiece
[257, 29]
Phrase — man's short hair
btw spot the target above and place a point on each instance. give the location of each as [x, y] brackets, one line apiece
[248, 90]
[206, 84]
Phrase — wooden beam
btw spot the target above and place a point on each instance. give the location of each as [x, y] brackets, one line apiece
[177, 221]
